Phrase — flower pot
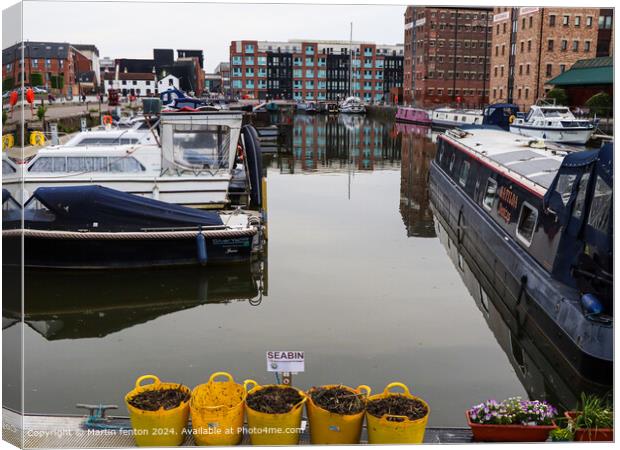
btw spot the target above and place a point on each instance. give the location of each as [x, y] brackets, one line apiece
[509, 433]
[594, 434]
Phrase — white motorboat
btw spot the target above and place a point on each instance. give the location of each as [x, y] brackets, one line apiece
[352, 105]
[553, 123]
[451, 117]
[203, 159]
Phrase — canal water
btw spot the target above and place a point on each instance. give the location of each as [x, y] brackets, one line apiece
[355, 276]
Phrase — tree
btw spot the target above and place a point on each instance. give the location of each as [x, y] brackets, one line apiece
[559, 95]
[8, 84]
[600, 104]
[36, 79]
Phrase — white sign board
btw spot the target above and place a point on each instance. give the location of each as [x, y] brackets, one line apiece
[527, 10]
[501, 17]
[285, 361]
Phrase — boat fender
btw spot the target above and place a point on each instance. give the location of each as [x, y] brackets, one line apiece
[591, 305]
[511, 118]
[201, 247]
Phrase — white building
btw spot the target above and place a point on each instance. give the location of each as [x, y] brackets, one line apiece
[138, 84]
[167, 82]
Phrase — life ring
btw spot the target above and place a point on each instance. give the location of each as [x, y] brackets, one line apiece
[37, 138]
[511, 118]
[107, 120]
[8, 141]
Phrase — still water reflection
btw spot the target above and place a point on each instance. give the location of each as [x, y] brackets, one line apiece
[356, 278]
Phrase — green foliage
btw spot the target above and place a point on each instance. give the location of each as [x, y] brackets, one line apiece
[559, 95]
[41, 112]
[4, 116]
[36, 79]
[57, 81]
[8, 84]
[600, 104]
[594, 412]
[562, 434]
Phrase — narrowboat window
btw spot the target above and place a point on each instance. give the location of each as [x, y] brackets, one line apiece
[489, 194]
[464, 173]
[452, 161]
[600, 208]
[7, 168]
[484, 299]
[441, 150]
[581, 196]
[565, 186]
[527, 223]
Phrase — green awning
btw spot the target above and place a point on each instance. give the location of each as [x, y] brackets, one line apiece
[586, 73]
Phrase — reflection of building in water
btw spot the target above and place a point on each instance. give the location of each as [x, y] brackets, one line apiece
[416, 155]
[340, 143]
[539, 366]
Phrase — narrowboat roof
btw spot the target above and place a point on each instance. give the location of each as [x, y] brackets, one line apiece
[517, 156]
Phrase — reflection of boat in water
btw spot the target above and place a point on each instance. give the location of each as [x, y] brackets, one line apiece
[539, 368]
[538, 222]
[413, 129]
[351, 122]
[66, 305]
[416, 155]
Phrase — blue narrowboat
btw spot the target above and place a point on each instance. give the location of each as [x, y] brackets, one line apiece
[536, 220]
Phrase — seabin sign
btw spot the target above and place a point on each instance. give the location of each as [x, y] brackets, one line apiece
[285, 361]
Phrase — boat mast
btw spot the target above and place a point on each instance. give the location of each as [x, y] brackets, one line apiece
[351, 61]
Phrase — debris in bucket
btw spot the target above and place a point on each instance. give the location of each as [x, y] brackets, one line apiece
[274, 399]
[397, 405]
[337, 400]
[155, 399]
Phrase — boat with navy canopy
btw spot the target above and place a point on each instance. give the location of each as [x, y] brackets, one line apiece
[202, 159]
[537, 218]
[94, 227]
[553, 123]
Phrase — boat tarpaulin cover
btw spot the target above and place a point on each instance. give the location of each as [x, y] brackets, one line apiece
[104, 209]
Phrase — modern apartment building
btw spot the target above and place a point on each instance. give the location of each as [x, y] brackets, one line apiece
[531, 45]
[314, 70]
[447, 55]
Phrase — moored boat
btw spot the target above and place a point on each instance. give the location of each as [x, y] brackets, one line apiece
[451, 117]
[538, 220]
[93, 227]
[410, 114]
[352, 105]
[199, 158]
[555, 124]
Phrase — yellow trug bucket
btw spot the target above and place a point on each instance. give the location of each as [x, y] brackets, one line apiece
[274, 429]
[217, 411]
[404, 431]
[332, 428]
[157, 428]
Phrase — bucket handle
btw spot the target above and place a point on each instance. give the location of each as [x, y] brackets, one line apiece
[147, 377]
[363, 387]
[396, 384]
[246, 383]
[221, 374]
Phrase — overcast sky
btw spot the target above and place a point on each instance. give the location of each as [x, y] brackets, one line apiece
[132, 30]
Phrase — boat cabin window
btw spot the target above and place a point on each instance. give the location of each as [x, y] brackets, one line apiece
[106, 141]
[527, 223]
[205, 147]
[452, 161]
[600, 208]
[464, 173]
[580, 201]
[85, 164]
[489, 194]
[7, 168]
[565, 186]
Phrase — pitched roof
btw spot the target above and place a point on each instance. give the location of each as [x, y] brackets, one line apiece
[586, 72]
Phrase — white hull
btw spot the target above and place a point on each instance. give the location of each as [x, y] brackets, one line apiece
[193, 192]
[455, 118]
[353, 110]
[579, 136]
